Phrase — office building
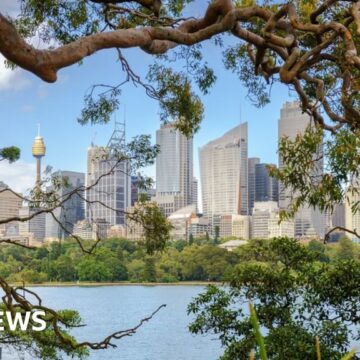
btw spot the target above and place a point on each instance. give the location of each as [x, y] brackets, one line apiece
[224, 174]
[94, 230]
[199, 226]
[10, 203]
[35, 227]
[266, 187]
[308, 220]
[194, 189]
[108, 181]
[262, 212]
[235, 225]
[279, 229]
[174, 167]
[241, 226]
[72, 210]
[251, 181]
[292, 122]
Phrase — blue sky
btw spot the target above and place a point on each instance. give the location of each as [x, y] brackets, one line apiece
[26, 101]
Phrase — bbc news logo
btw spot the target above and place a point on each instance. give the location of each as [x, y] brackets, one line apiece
[17, 321]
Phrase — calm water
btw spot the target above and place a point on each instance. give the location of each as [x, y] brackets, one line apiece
[111, 308]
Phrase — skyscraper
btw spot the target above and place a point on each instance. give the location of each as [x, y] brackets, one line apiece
[266, 187]
[109, 180]
[194, 190]
[134, 190]
[294, 122]
[251, 181]
[71, 211]
[224, 174]
[174, 166]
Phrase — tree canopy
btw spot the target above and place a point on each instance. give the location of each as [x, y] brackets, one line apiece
[298, 295]
[310, 46]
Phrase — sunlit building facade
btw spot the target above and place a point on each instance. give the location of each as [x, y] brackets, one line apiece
[224, 174]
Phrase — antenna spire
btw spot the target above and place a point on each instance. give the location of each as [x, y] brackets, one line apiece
[38, 126]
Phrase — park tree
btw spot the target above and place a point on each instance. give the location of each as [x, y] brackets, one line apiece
[312, 47]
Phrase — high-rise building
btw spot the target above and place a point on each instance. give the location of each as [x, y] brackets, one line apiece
[134, 189]
[224, 174]
[338, 216]
[35, 227]
[138, 191]
[266, 187]
[108, 181]
[294, 122]
[194, 189]
[72, 210]
[10, 203]
[309, 221]
[251, 181]
[174, 167]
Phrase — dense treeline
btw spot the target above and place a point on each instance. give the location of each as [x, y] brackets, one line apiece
[116, 260]
[122, 260]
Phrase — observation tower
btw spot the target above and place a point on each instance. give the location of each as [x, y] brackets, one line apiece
[38, 151]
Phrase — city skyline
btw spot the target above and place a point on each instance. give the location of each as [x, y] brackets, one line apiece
[224, 178]
[152, 170]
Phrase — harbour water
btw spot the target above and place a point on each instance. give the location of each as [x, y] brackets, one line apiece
[106, 309]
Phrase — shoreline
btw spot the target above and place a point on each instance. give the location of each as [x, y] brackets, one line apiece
[120, 283]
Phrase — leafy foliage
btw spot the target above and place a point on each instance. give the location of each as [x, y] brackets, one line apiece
[235, 60]
[44, 344]
[304, 159]
[99, 110]
[116, 260]
[177, 100]
[296, 298]
[11, 154]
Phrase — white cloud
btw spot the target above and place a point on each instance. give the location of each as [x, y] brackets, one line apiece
[11, 79]
[19, 176]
